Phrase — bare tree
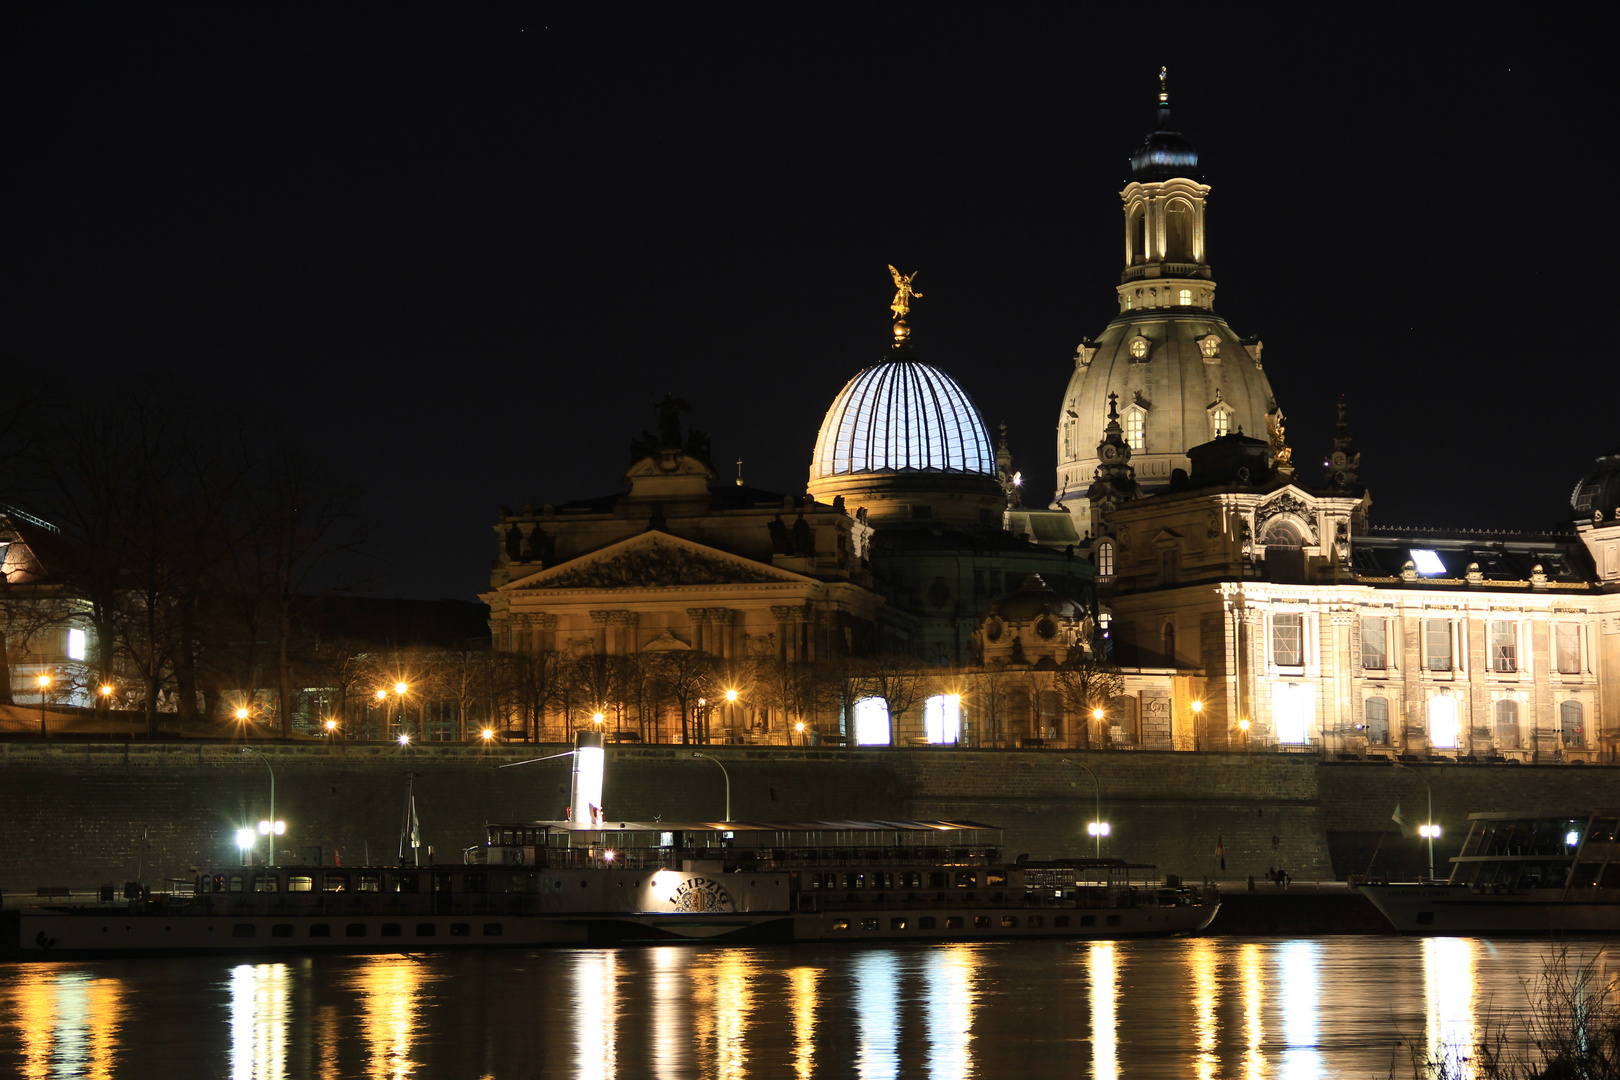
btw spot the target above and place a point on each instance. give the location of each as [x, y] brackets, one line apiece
[1086, 684]
[895, 679]
[689, 675]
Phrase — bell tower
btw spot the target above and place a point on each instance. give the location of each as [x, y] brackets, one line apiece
[1166, 252]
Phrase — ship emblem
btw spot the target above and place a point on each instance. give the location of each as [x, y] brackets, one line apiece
[700, 895]
[42, 941]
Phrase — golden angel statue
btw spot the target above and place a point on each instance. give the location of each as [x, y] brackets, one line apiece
[901, 305]
[1279, 447]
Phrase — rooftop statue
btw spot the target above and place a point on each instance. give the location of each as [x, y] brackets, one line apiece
[901, 305]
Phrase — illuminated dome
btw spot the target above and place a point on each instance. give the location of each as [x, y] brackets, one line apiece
[902, 416]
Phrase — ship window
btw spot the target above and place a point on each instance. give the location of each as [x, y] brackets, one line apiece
[475, 883]
[1603, 831]
[300, 883]
[840, 924]
[335, 883]
[1568, 637]
[494, 929]
[869, 924]
[897, 924]
[1504, 646]
[994, 879]
[266, 882]
[1036, 922]
[406, 883]
[1437, 644]
[236, 883]
[1507, 724]
[369, 883]
[981, 922]
[1570, 722]
[964, 880]
[1443, 721]
[1288, 640]
[953, 922]
[1374, 655]
[1377, 721]
[942, 719]
[872, 722]
[1009, 922]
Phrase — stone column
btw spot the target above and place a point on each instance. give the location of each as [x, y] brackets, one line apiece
[624, 625]
[600, 619]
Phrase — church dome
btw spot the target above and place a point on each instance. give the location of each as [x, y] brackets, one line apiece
[902, 416]
[1165, 155]
[1597, 498]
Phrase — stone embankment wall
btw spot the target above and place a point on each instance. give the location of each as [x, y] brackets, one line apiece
[85, 814]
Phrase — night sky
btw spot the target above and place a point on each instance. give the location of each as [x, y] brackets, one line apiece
[463, 250]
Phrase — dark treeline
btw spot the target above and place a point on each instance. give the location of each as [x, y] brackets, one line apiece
[190, 541]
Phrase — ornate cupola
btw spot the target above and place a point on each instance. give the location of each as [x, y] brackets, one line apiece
[1164, 222]
[1115, 478]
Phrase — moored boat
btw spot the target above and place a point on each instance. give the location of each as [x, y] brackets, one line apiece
[1527, 872]
[561, 883]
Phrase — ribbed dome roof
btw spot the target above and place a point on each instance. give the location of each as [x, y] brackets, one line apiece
[1599, 493]
[902, 416]
[1165, 154]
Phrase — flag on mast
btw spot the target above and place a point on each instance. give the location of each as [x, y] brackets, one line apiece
[1396, 816]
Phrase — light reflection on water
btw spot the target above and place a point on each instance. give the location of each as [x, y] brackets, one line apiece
[1216, 1009]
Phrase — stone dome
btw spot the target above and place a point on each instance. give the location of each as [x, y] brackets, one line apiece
[1597, 497]
[902, 416]
[1165, 154]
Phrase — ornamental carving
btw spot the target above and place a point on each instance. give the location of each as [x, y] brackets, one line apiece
[695, 895]
[652, 566]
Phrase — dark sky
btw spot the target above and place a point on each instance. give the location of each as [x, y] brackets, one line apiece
[463, 249]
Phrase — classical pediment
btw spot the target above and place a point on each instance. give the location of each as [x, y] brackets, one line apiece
[656, 560]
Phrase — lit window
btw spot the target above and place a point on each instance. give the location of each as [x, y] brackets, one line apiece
[1186, 297]
[1507, 724]
[1570, 723]
[1135, 423]
[942, 718]
[1105, 559]
[1568, 637]
[1437, 644]
[872, 722]
[1291, 705]
[1443, 722]
[1427, 562]
[1377, 721]
[1373, 654]
[76, 645]
[1504, 646]
[1288, 640]
[1223, 422]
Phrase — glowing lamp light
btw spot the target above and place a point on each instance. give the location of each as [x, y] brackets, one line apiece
[1432, 832]
[731, 695]
[241, 714]
[799, 727]
[244, 838]
[106, 691]
[381, 694]
[404, 739]
[607, 856]
[486, 734]
[1097, 828]
[331, 725]
[1572, 838]
[1197, 706]
[44, 681]
[1244, 725]
[266, 828]
[954, 699]
[597, 718]
[1096, 714]
[400, 688]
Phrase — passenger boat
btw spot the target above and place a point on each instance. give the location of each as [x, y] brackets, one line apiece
[567, 883]
[1518, 873]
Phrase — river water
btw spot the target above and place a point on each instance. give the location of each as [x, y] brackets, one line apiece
[1198, 1008]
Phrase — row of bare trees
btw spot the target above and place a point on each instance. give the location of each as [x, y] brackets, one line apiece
[192, 546]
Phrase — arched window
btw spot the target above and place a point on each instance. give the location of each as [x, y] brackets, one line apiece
[1184, 297]
[1144, 245]
[1443, 721]
[1377, 721]
[1105, 558]
[1507, 724]
[1178, 224]
[872, 722]
[942, 719]
[1291, 709]
[1135, 428]
[1285, 553]
[1221, 421]
[1571, 724]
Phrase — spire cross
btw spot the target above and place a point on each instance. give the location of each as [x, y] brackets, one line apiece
[1164, 94]
[1113, 413]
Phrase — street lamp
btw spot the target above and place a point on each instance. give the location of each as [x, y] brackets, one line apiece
[724, 773]
[731, 712]
[702, 720]
[331, 726]
[106, 695]
[400, 689]
[1098, 827]
[1428, 830]
[271, 828]
[1243, 726]
[44, 685]
[487, 734]
[382, 703]
[241, 714]
[1097, 715]
[799, 727]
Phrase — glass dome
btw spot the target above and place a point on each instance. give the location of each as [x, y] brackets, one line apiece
[900, 416]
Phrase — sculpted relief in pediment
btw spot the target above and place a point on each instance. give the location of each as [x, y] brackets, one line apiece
[653, 565]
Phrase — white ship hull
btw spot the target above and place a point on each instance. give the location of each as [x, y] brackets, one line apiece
[1446, 909]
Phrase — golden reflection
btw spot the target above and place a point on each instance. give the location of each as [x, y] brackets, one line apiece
[1102, 969]
[1201, 959]
[390, 988]
[596, 1005]
[1298, 960]
[670, 998]
[259, 1022]
[950, 977]
[1448, 1000]
[327, 1040]
[803, 982]
[1253, 977]
[66, 1023]
[877, 1014]
[733, 1001]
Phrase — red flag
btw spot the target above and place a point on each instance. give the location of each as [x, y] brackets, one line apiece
[1220, 850]
[337, 857]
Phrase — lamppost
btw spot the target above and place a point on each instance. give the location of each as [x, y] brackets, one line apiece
[331, 728]
[44, 685]
[799, 728]
[106, 696]
[724, 773]
[1243, 726]
[731, 715]
[1098, 828]
[700, 723]
[1102, 738]
[271, 828]
[1428, 830]
[400, 690]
